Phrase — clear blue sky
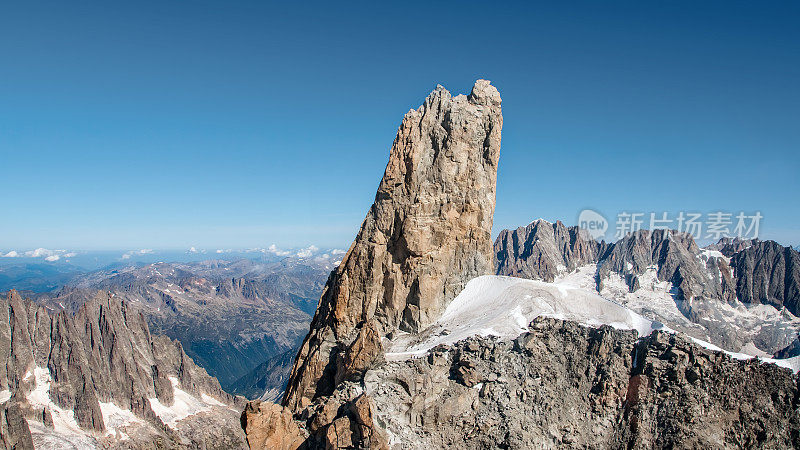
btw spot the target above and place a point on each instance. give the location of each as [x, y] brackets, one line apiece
[167, 124]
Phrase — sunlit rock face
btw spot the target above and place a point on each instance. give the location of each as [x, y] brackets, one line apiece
[427, 233]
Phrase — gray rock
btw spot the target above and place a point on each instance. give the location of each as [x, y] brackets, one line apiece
[104, 352]
[729, 246]
[675, 256]
[565, 385]
[768, 273]
[540, 249]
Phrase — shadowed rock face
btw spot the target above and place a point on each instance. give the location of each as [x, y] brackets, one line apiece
[539, 250]
[702, 296]
[768, 273]
[675, 256]
[427, 233]
[102, 353]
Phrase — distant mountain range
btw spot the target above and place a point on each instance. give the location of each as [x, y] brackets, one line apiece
[43, 270]
[230, 316]
[741, 294]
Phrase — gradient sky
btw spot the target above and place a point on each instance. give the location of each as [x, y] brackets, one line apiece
[170, 124]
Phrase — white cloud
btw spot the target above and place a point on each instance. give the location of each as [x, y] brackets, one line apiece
[143, 251]
[338, 251]
[278, 252]
[43, 253]
[193, 250]
[307, 252]
[48, 255]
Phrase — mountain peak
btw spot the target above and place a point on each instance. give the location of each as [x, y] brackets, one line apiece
[426, 235]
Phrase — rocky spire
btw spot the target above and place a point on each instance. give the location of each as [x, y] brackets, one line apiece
[427, 233]
[101, 369]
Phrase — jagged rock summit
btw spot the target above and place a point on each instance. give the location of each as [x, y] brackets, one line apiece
[99, 379]
[427, 233]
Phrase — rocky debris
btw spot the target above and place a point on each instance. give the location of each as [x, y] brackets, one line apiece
[69, 365]
[426, 235]
[566, 385]
[542, 250]
[768, 273]
[689, 397]
[270, 426]
[345, 419]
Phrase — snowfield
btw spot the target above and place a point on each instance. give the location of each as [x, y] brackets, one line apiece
[501, 306]
[493, 305]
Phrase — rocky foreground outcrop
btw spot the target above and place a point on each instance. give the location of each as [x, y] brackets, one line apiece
[99, 378]
[564, 385]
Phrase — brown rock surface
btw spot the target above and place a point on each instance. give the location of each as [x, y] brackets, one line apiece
[426, 235]
[270, 426]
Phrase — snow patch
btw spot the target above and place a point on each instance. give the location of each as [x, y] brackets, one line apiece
[63, 419]
[5, 394]
[116, 419]
[46, 438]
[183, 406]
[501, 306]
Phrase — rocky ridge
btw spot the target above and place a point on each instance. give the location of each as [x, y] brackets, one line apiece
[99, 378]
[542, 250]
[663, 274]
[768, 273]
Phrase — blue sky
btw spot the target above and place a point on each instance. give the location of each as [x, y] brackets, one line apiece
[240, 124]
